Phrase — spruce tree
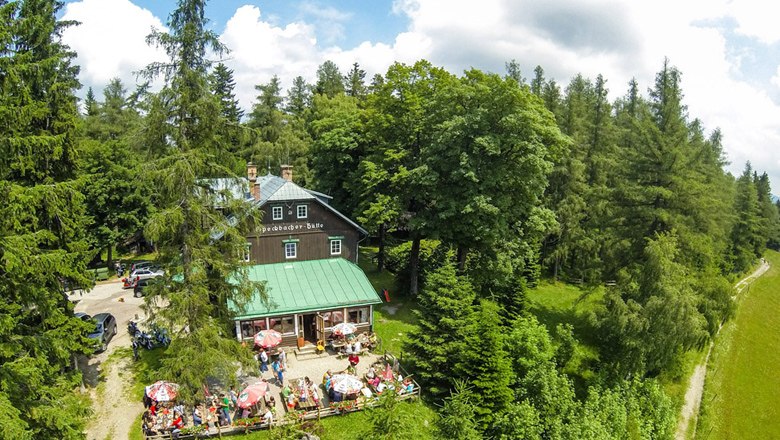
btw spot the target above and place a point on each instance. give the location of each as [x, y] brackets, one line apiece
[42, 221]
[199, 233]
[445, 307]
[457, 417]
[266, 116]
[746, 239]
[487, 369]
[223, 85]
[355, 82]
[329, 80]
[298, 97]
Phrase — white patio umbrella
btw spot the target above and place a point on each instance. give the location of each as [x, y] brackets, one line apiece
[346, 383]
[343, 329]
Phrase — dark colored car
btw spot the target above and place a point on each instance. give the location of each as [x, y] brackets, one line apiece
[105, 329]
[141, 285]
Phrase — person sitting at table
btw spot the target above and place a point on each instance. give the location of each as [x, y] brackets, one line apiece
[407, 386]
[286, 391]
[197, 418]
[375, 381]
[291, 402]
[268, 417]
[371, 374]
[148, 423]
[351, 369]
[326, 379]
[353, 359]
[176, 425]
[356, 347]
[271, 404]
[315, 393]
[153, 408]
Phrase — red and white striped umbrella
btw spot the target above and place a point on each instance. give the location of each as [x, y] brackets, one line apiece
[251, 394]
[268, 338]
[162, 391]
[343, 329]
[346, 383]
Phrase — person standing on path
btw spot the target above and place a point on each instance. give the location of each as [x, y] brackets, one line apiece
[283, 359]
[263, 358]
[277, 367]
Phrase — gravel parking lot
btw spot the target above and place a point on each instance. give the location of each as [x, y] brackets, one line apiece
[114, 409]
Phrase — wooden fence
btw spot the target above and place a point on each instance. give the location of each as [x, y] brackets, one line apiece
[344, 407]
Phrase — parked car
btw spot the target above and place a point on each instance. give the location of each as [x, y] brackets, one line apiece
[141, 274]
[140, 265]
[105, 329]
[141, 285]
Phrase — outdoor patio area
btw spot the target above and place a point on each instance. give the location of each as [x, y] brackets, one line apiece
[355, 392]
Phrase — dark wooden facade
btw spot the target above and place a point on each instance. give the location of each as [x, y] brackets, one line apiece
[314, 234]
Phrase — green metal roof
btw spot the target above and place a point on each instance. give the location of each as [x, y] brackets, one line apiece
[308, 286]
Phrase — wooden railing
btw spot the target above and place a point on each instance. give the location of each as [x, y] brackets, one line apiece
[343, 407]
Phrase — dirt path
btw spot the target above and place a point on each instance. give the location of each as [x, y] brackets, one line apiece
[690, 409]
[115, 410]
[107, 378]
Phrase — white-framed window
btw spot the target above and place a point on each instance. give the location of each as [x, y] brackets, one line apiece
[291, 250]
[335, 247]
[303, 211]
[247, 255]
[276, 212]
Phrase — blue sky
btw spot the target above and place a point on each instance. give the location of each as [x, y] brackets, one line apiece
[359, 19]
[727, 50]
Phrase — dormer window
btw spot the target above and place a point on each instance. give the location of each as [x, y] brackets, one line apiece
[276, 212]
[303, 211]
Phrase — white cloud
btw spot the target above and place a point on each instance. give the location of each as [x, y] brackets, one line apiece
[756, 18]
[260, 50]
[110, 41]
[775, 80]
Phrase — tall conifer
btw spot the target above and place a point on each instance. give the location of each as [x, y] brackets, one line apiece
[41, 227]
[196, 229]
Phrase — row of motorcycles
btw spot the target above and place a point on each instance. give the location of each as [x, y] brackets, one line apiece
[156, 337]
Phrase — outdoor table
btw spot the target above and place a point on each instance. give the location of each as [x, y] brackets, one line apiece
[307, 404]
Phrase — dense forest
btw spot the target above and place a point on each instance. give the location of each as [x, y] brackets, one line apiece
[474, 186]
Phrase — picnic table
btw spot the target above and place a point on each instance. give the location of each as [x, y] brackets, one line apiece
[299, 389]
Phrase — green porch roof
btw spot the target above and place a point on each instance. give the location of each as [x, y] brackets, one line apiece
[308, 286]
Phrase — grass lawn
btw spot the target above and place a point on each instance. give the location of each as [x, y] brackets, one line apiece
[394, 320]
[353, 425]
[557, 303]
[742, 390]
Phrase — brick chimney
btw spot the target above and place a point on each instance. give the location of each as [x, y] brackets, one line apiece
[254, 185]
[255, 190]
[287, 172]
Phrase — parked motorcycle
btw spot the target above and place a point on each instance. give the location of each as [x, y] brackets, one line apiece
[132, 328]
